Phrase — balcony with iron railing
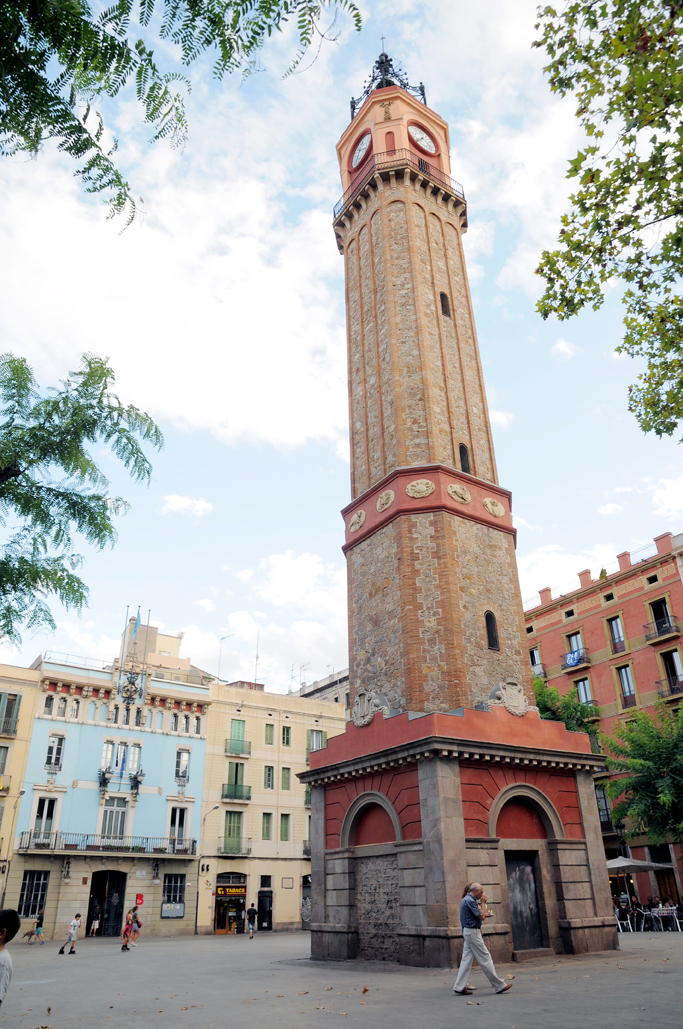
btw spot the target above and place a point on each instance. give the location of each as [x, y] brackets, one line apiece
[307, 796]
[576, 659]
[5, 783]
[628, 700]
[606, 825]
[236, 792]
[8, 726]
[394, 160]
[236, 846]
[241, 747]
[183, 779]
[68, 841]
[672, 686]
[538, 671]
[661, 629]
[618, 646]
[52, 769]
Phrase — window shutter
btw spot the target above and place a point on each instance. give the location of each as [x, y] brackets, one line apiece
[308, 741]
[324, 739]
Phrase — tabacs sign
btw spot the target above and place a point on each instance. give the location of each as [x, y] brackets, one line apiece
[231, 891]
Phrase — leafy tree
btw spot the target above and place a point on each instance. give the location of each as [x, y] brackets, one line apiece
[50, 486]
[623, 61]
[58, 57]
[647, 758]
[568, 708]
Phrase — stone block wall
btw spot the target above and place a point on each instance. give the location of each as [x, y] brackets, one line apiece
[419, 589]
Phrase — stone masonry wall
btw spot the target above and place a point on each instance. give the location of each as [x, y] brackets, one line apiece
[378, 914]
[418, 591]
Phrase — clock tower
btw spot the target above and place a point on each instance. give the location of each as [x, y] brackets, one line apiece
[435, 613]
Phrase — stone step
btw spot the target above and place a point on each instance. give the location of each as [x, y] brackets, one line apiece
[531, 955]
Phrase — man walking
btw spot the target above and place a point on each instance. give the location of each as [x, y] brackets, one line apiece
[471, 918]
[251, 920]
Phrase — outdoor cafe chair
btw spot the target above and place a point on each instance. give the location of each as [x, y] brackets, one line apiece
[623, 921]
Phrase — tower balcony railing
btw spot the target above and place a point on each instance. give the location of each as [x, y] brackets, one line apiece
[672, 686]
[235, 791]
[401, 158]
[662, 627]
[237, 747]
[576, 659]
[60, 841]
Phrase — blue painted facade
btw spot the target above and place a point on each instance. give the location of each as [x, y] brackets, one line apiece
[113, 797]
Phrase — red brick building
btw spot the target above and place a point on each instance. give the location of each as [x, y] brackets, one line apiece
[618, 639]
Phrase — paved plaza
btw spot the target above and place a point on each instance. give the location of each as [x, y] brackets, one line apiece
[212, 981]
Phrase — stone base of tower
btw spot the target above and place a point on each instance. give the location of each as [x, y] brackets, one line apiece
[408, 809]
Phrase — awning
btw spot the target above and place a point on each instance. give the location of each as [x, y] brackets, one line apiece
[624, 864]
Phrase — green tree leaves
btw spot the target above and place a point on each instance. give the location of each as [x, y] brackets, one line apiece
[51, 487]
[647, 760]
[623, 60]
[577, 716]
[57, 57]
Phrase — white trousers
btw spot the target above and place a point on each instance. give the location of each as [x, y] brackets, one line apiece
[476, 948]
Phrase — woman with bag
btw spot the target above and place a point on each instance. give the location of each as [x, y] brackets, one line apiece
[137, 926]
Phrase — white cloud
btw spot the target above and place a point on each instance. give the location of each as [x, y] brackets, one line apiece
[207, 604]
[667, 499]
[501, 419]
[521, 523]
[552, 565]
[610, 509]
[245, 574]
[74, 639]
[563, 350]
[195, 507]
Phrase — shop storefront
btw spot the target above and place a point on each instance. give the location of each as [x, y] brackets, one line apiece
[231, 903]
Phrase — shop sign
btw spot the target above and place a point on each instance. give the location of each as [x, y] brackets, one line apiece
[139, 899]
[172, 910]
[231, 891]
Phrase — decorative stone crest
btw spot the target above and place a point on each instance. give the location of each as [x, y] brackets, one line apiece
[169, 703]
[420, 488]
[365, 708]
[51, 783]
[511, 696]
[387, 109]
[494, 507]
[385, 500]
[356, 521]
[459, 493]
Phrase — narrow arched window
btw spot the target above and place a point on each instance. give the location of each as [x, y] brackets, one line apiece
[445, 305]
[491, 631]
[465, 459]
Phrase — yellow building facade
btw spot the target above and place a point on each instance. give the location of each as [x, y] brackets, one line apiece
[255, 840]
[19, 690]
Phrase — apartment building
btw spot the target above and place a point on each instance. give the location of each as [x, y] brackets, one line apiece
[113, 787]
[255, 840]
[618, 640]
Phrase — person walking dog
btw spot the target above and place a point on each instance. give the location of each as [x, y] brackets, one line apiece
[471, 918]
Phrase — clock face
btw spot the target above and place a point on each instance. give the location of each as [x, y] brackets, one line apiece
[422, 139]
[361, 150]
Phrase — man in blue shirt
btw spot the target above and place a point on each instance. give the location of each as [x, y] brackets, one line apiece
[471, 918]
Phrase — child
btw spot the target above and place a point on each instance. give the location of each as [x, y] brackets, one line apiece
[38, 929]
[10, 924]
[71, 935]
[127, 930]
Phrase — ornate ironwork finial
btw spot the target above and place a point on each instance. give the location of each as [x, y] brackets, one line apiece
[385, 73]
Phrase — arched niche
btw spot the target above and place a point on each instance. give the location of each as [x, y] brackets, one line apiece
[533, 797]
[363, 806]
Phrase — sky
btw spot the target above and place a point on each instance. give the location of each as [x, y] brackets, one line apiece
[222, 312]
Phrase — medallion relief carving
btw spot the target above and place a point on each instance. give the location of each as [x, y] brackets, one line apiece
[385, 500]
[365, 708]
[420, 488]
[459, 493]
[357, 521]
[494, 507]
[511, 696]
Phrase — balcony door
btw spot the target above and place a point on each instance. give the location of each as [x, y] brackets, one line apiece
[660, 615]
[178, 827]
[114, 819]
[45, 816]
[233, 832]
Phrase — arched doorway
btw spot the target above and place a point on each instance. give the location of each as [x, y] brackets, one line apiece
[521, 819]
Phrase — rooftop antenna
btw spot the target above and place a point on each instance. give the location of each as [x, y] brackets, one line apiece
[291, 676]
[332, 666]
[258, 633]
[383, 46]
[302, 669]
[220, 651]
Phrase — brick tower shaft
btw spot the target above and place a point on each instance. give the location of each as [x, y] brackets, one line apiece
[435, 613]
